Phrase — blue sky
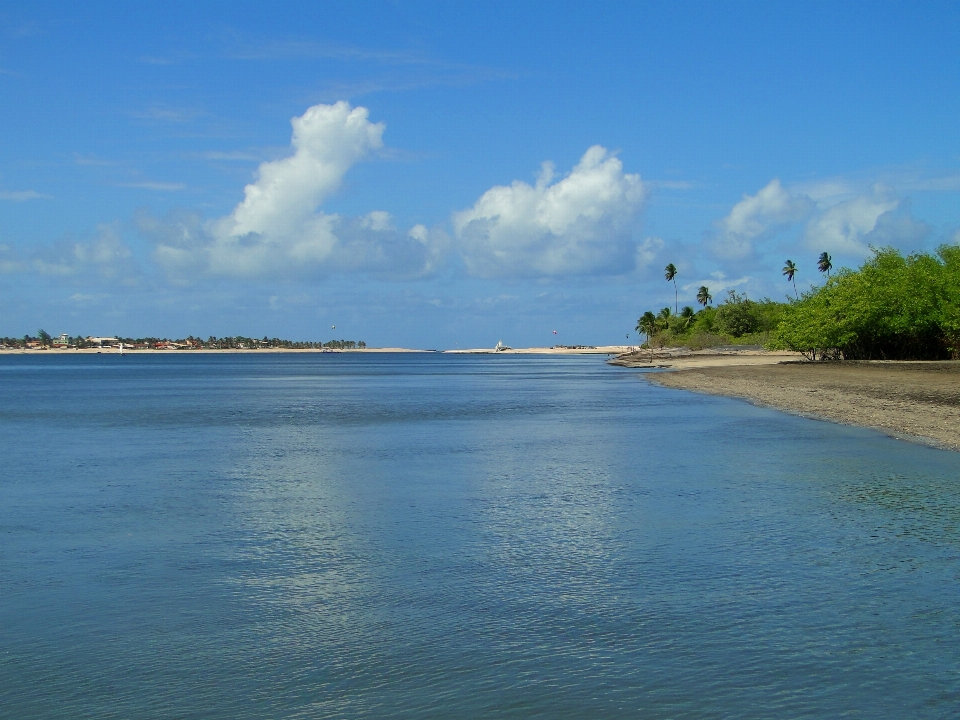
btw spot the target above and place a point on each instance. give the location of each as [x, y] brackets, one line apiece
[450, 174]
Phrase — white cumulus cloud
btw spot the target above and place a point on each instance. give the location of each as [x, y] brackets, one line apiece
[581, 224]
[836, 216]
[279, 228]
[756, 217]
[842, 228]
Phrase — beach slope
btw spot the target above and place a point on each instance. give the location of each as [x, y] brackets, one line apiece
[912, 400]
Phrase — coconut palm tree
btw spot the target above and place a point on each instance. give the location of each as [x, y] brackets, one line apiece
[824, 264]
[789, 270]
[663, 318]
[703, 296]
[647, 324]
[670, 273]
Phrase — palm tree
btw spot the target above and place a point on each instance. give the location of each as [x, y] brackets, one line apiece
[647, 324]
[824, 264]
[789, 270]
[663, 319]
[703, 296]
[670, 273]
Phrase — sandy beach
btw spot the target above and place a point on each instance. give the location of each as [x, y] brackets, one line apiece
[911, 400]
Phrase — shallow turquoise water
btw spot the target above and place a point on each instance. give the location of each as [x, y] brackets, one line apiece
[423, 536]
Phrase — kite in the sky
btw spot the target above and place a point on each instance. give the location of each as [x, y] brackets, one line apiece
[554, 332]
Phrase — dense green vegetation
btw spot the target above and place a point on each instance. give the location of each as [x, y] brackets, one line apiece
[737, 320]
[892, 308]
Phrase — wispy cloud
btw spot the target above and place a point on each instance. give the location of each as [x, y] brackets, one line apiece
[88, 298]
[9, 262]
[91, 160]
[901, 180]
[401, 70]
[173, 115]
[168, 59]
[105, 256]
[717, 283]
[828, 189]
[240, 48]
[673, 184]
[944, 183]
[160, 186]
[22, 195]
[232, 156]
[416, 79]
[648, 250]
[150, 60]
[31, 28]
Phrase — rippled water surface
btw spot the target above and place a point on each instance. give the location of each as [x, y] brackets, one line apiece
[427, 536]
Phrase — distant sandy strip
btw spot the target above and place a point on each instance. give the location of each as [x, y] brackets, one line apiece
[910, 400]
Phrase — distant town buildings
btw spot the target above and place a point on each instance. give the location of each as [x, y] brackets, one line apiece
[64, 341]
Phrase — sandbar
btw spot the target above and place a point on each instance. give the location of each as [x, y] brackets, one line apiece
[917, 401]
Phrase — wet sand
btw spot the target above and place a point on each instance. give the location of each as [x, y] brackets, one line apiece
[911, 400]
[683, 358]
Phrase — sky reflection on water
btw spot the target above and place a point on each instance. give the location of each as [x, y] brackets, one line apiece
[435, 536]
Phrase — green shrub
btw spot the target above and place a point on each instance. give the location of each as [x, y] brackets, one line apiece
[892, 308]
[736, 316]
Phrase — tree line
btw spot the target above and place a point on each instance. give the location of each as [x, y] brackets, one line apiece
[236, 342]
[893, 307]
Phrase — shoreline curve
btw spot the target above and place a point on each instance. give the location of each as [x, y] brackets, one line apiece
[916, 401]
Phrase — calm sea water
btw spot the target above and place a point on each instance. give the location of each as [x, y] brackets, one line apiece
[427, 536]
